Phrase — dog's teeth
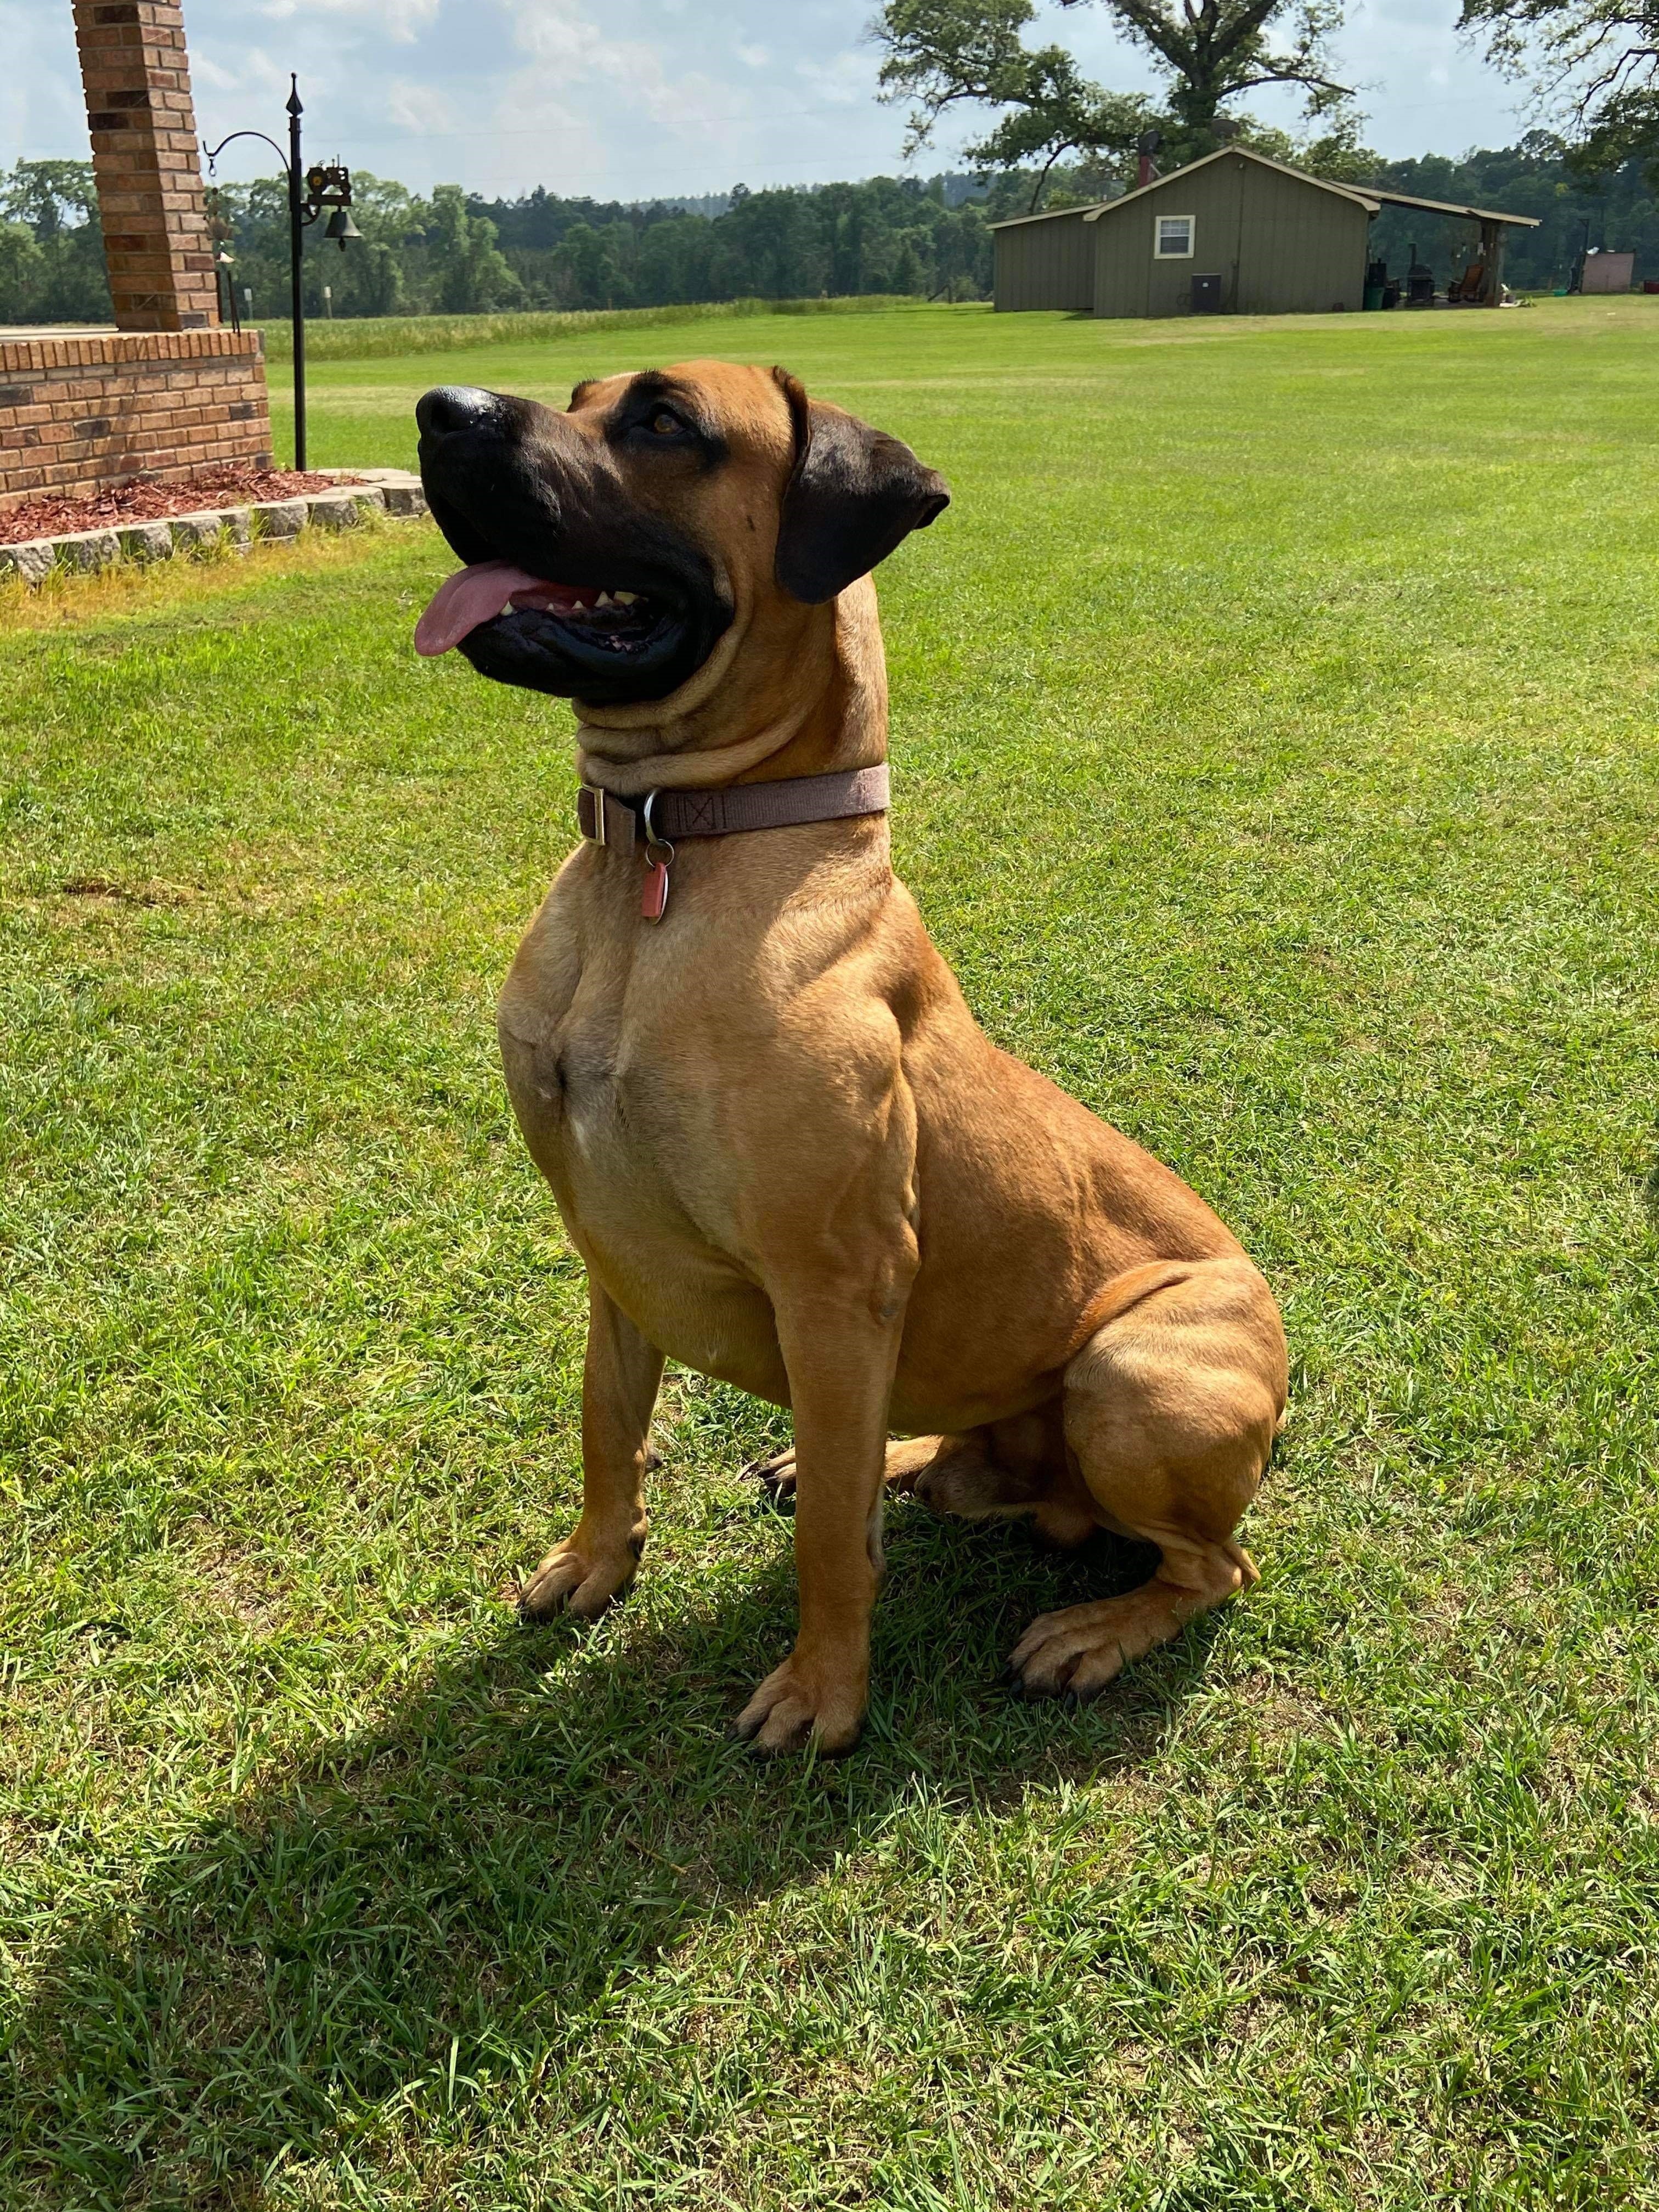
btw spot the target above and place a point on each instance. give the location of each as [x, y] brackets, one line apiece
[603, 600]
[623, 598]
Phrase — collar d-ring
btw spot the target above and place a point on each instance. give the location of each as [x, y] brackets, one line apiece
[653, 835]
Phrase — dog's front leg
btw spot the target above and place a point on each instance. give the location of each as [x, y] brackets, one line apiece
[841, 1361]
[620, 1379]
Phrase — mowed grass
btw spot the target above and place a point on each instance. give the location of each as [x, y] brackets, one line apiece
[1274, 727]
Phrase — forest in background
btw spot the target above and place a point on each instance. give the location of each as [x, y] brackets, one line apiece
[452, 253]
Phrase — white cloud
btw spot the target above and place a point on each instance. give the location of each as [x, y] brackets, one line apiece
[252, 71]
[402, 19]
[415, 107]
[558, 31]
[654, 82]
[627, 98]
[204, 70]
[43, 110]
[848, 78]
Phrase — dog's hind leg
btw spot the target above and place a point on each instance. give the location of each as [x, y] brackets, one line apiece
[1017, 1469]
[620, 1378]
[1170, 1410]
[909, 1459]
[1006, 1470]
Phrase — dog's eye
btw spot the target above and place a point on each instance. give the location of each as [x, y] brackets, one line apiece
[664, 425]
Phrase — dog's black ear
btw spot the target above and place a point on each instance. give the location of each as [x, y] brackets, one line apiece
[853, 495]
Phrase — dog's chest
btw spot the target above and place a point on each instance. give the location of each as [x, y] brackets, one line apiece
[586, 1090]
[623, 1123]
[630, 1140]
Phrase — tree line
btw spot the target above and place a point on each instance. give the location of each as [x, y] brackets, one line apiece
[450, 252]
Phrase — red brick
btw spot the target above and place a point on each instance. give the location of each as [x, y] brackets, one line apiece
[136, 72]
[165, 395]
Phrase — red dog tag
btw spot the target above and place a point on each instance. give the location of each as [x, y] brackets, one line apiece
[654, 899]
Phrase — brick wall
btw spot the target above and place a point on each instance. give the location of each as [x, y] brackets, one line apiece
[137, 75]
[80, 414]
[169, 392]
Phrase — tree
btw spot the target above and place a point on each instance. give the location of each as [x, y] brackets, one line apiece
[43, 194]
[55, 206]
[1596, 60]
[21, 258]
[472, 274]
[779, 242]
[589, 266]
[942, 53]
[673, 261]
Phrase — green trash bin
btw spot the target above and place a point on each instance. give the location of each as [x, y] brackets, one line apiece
[1373, 298]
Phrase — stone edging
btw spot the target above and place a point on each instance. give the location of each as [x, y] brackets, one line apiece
[388, 491]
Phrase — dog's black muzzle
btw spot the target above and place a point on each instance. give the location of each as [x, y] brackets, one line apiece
[509, 480]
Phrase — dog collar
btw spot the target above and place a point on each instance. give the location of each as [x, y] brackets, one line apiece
[663, 818]
[659, 820]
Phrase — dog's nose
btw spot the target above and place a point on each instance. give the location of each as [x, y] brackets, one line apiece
[451, 407]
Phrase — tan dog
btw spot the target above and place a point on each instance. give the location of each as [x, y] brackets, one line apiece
[787, 1153]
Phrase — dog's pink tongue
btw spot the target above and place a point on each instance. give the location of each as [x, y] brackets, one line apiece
[463, 600]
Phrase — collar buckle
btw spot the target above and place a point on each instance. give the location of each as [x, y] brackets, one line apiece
[604, 820]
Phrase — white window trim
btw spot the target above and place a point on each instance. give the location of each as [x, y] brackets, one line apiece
[1191, 247]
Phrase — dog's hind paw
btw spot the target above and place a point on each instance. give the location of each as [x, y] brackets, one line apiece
[776, 1475]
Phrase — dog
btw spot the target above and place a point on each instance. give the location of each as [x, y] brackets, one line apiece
[785, 1150]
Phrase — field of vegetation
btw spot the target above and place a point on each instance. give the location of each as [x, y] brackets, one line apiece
[1277, 760]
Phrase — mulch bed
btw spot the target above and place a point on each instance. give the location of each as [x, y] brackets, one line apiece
[153, 502]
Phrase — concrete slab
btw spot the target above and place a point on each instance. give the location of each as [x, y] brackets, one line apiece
[32, 560]
[89, 549]
[345, 509]
[145, 541]
[279, 518]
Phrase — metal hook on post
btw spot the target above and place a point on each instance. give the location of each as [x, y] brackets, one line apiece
[309, 192]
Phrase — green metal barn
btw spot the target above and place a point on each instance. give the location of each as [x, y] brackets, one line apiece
[1234, 233]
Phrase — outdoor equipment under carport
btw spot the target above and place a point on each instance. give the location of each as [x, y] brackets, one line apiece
[1490, 283]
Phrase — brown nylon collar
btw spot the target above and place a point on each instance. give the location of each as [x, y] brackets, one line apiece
[604, 819]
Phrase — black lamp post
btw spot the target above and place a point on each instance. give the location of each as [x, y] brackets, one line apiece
[309, 191]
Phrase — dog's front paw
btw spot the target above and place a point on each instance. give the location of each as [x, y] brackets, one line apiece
[580, 1575]
[801, 1698]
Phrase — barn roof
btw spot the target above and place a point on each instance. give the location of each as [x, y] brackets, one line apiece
[1448, 207]
[1051, 214]
[1093, 213]
[1371, 197]
[1349, 192]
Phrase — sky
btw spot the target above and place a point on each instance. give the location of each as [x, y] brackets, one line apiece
[633, 98]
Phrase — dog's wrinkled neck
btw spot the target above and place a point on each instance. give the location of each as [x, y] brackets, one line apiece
[819, 709]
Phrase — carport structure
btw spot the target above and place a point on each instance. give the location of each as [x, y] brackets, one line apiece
[1492, 228]
[1234, 233]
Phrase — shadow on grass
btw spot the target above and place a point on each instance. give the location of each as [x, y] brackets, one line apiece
[460, 1892]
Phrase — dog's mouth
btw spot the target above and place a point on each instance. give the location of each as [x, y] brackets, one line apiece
[572, 586]
[632, 636]
[581, 619]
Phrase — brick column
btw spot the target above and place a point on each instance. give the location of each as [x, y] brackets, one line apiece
[137, 75]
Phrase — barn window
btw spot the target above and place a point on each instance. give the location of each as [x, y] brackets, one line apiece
[1172, 238]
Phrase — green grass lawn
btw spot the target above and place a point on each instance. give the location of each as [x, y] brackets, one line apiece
[1276, 727]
